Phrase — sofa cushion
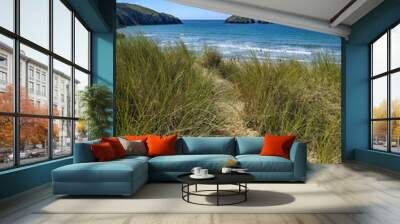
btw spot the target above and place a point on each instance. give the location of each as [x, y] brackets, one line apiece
[116, 145]
[206, 145]
[103, 152]
[257, 163]
[161, 145]
[112, 171]
[249, 145]
[185, 163]
[83, 152]
[277, 145]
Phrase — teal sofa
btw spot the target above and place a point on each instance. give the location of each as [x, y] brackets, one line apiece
[125, 176]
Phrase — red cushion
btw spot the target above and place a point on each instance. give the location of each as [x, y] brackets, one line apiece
[161, 145]
[277, 145]
[136, 137]
[116, 145]
[103, 152]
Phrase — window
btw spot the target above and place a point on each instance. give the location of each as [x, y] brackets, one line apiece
[81, 45]
[3, 78]
[3, 61]
[30, 88]
[31, 76]
[6, 73]
[47, 74]
[62, 29]
[35, 21]
[38, 89]
[62, 74]
[7, 14]
[385, 92]
[44, 91]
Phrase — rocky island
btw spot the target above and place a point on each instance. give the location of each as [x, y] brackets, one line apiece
[133, 15]
[242, 20]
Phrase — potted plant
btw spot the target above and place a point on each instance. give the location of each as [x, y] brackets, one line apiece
[96, 102]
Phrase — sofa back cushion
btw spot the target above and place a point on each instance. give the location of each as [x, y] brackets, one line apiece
[206, 145]
[83, 152]
[249, 145]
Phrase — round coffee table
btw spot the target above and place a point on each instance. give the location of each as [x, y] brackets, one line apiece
[238, 179]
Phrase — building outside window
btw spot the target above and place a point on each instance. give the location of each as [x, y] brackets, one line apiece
[34, 75]
[3, 71]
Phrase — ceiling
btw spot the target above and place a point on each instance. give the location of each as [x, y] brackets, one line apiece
[327, 16]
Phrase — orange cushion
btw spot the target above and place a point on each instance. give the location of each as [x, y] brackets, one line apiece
[277, 145]
[103, 152]
[161, 145]
[136, 137]
[116, 145]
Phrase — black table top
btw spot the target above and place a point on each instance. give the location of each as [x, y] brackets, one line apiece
[220, 178]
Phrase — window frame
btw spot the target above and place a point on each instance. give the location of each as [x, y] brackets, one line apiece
[16, 114]
[388, 74]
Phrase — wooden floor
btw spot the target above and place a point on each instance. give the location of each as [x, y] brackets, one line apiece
[379, 189]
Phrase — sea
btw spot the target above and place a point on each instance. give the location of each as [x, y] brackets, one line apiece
[238, 41]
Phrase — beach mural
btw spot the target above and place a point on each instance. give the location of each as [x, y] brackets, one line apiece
[195, 72]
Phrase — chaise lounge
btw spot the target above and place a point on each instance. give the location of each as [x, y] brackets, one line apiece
[125, 176]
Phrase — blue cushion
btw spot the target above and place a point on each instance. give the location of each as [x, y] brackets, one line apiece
[83, 152]
[206, 145]
[249, 145]
[185, 163]
[257, 163]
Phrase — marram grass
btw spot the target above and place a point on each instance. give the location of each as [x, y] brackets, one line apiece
[166, 90]
[160, 90]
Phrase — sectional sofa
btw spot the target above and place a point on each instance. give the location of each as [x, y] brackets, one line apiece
[125, 176]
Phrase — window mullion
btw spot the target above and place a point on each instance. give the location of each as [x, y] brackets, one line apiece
[73, 82]
[389, 104]
[16, 70]
[50, 81]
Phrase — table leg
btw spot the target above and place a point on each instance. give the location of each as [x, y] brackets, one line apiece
[195, 188]
[217, 194]
[245, 193]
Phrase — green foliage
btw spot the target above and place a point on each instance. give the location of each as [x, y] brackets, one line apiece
[289, 97]
[211, 58]
[120, 35]
[162, 91]
[96, 102]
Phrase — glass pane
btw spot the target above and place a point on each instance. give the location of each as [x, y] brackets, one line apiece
[395, 47]
[7, 14]
[62, 29]
[34, 97]
[62, 138]
[35, 21]
[81, 45]
[81, 131]
[379, 55]
[379, 135]
[33, 140]
[81, 82]
[6, 142]
[6, 74]
[379, 99]
[395, 136]
[395, 95]
[62, 89]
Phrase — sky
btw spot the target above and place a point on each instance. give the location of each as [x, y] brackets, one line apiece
[180, 11]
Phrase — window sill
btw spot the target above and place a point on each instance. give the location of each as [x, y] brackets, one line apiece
[26, 167]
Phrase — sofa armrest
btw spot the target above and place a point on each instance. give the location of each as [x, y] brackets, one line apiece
[83, 152]
[298, 155]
